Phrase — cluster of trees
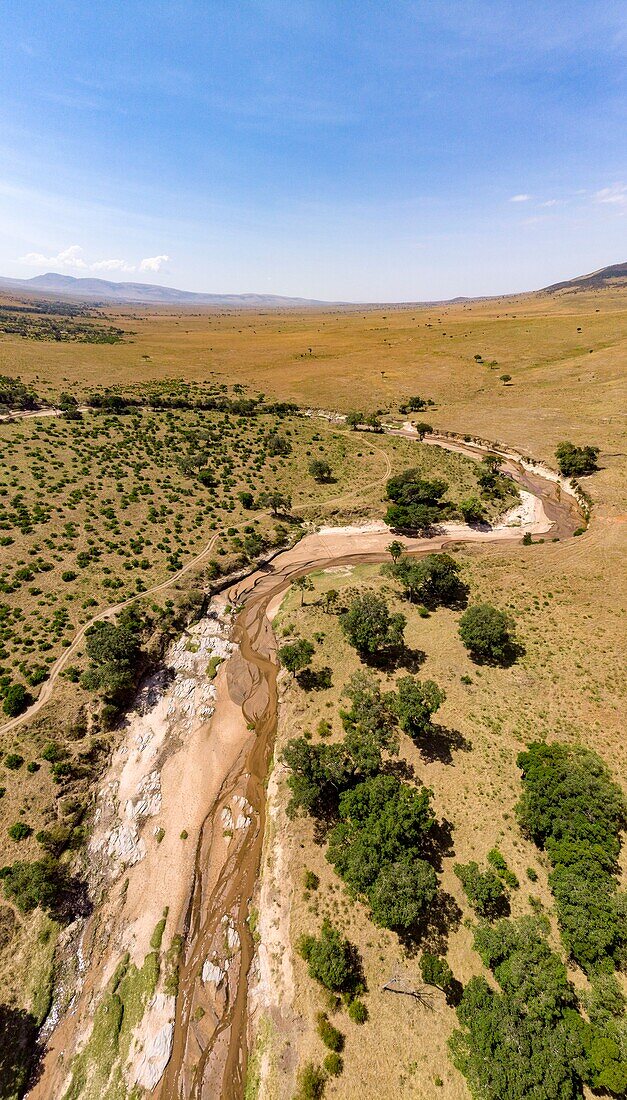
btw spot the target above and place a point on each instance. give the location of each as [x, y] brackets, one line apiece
[36, 327]
[16, 396]
[381, 828]
[575, 461]
[416, 503]
[527, 1039]
[573, 810]
[378, 848]
[415, 404]
[356, 419]
[115, 402]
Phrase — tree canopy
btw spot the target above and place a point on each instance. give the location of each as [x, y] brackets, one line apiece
[571, 808]
[416, 502]
[575, 461]
[371, 628]
[487, 633]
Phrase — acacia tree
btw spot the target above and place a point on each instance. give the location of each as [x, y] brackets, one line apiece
[395, 549]
[303, 584]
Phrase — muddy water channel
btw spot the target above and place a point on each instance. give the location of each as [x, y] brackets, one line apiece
[209, 1051]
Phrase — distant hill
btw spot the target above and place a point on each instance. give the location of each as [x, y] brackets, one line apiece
[103, 290]
[614, 276]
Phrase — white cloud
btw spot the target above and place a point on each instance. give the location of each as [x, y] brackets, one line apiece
[616, 194]
[68, 257]
[520, 198]
[72, 258]
[153, 263]
[112, 265]
[550, 202]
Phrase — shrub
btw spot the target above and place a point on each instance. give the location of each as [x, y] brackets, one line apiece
[333, 1064]
[30, 885]
[311, 1081]
[19, 831]
[497, 860]
[436, 971]
[484, 890]
[357, 1011]
[472, 510]
[331, 1037]
[16, 700]
[331, 959]
[311, 880]
[13, 761]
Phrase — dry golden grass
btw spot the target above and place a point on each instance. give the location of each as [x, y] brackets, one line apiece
[568, 685]
[566, 355]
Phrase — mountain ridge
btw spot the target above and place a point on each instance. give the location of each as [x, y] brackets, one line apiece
[129, 293]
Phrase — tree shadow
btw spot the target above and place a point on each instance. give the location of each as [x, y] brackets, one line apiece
[400, 769]
[72, 900]
[395, 657]
[440, 743]
[19, 1050]
[310, 679]
[457, 600]
[432, 932]
[510, 655]
[439, 843]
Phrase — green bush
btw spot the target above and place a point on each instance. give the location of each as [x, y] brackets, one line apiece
[497, 860]
[16, 700]
[331, 959]
[484, 889]
[575, 461]
[311, 1081]
[13, 761]
[487, 633]
[30, 885]
[357, 1011]
[436, 971]
[333, 1064]
[19, 831]
[331, 1037]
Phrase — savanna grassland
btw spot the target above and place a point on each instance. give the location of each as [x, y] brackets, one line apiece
[97, 509]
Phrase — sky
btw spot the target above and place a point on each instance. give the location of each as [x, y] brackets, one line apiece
[395, 150]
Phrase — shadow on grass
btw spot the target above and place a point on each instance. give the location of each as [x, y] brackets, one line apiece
[440, 743]
[432, 932]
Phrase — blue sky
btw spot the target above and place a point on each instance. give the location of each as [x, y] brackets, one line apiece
[398, 150]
